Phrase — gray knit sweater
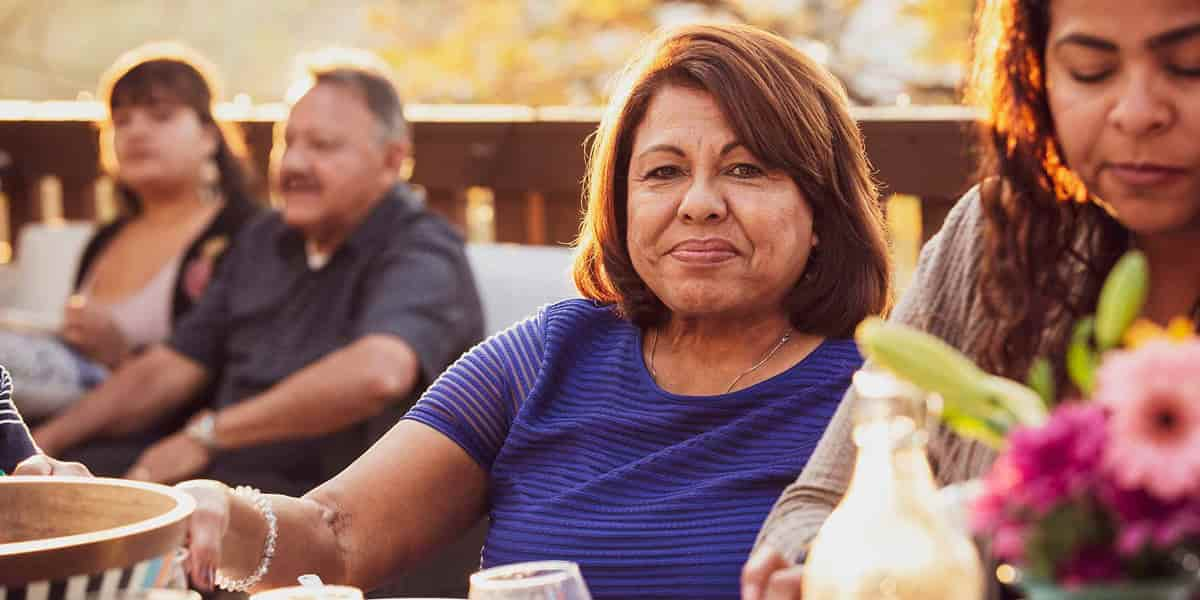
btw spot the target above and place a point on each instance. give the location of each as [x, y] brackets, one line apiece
[941, 300]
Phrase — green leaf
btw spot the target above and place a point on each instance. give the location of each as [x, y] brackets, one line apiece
[1041, 380]
[1081, 357]
[1121, 299]
[1022, 403]
[986, 430]
[1061, 533]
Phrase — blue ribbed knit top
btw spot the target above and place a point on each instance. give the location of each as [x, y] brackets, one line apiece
[654, 494]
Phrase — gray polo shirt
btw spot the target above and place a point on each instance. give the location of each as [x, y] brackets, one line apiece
[266, 315]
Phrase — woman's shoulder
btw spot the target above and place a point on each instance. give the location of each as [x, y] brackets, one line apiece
[567, 323]
[841, 350]
[966, 216]
[834, 359]
[576, 312]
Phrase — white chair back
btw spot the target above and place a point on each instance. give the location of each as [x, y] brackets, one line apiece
[44, 273]
[515, 280]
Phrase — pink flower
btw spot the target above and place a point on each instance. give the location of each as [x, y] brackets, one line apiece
[1044, 468]
[196, 276]
[1145, 521]
[990, 510]
[1058, 461]
[1008, 543]
[1154, 431]
[200, 270]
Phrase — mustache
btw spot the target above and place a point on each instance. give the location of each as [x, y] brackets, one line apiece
[298, 180]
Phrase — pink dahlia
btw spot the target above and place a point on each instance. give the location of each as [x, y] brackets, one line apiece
[1154, 430]
[1146, 521]
[1059, 460]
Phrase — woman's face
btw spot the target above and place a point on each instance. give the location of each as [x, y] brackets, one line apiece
[1123, 84]
[161, 145]
[711, 230]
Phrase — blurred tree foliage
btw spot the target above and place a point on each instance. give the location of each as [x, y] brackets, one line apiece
[547, 52]
[539, 52]
[949, 26]
[550, 52]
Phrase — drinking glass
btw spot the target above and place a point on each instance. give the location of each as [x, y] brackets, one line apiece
[311, 592]
[543, 580]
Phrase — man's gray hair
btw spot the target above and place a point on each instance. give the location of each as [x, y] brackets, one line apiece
[368, 74]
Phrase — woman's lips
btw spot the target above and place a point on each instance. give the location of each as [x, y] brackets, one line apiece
[704, 251]
[1145, 174]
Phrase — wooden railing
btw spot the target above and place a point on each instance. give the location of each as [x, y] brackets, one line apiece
[512, 176]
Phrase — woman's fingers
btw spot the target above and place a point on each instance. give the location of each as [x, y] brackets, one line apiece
[785, 584]
[759, 571]
[206, 529]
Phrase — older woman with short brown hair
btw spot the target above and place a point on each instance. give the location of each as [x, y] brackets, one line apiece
[732, 241]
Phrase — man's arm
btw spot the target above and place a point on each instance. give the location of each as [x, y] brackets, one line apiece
[345, 387]
[133, 398]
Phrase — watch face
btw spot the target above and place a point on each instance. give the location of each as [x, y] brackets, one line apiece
[203, 430]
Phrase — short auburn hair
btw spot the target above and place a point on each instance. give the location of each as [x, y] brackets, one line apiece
[788, 112]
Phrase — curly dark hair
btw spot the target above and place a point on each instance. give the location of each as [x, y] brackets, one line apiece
[1047, 246]
[789, 113]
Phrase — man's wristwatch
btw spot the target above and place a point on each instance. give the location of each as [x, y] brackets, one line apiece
[203, 430]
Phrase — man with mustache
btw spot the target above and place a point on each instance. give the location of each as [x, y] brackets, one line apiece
[322, 316]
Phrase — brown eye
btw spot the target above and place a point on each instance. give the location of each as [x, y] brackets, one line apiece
[745, 171]
[666, 172]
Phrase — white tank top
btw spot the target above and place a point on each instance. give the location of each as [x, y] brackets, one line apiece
[144, 317]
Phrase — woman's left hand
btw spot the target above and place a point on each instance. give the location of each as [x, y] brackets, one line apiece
[91, 329]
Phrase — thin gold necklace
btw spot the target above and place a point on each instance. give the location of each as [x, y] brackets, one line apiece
[787, 335]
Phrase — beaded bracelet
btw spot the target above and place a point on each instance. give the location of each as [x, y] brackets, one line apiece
[264, 507]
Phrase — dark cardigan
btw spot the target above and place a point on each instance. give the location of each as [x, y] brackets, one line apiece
[226, 224]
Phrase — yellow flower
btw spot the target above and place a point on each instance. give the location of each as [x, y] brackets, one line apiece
[214, 246]
[1180, 329]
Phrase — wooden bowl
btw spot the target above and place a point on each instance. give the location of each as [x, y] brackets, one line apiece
[83, 535]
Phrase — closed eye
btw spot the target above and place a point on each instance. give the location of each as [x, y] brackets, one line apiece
[1189, 72]
[1092, 77]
